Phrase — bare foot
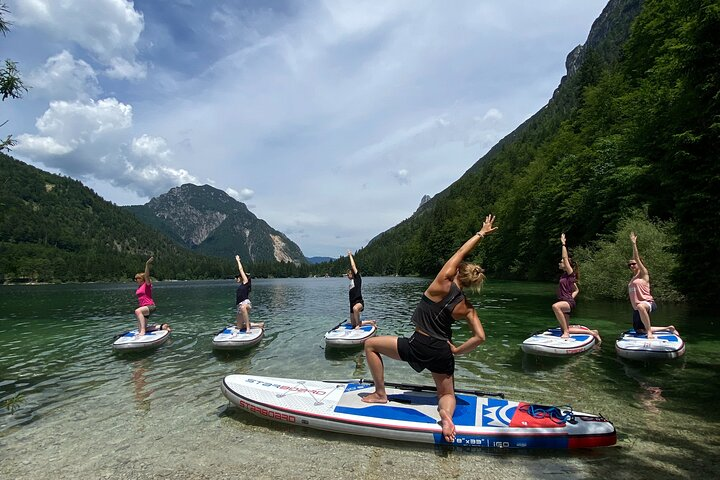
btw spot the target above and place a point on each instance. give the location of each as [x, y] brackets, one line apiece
[596, 334]
[673, 330]
[374, 398]
[448, 427]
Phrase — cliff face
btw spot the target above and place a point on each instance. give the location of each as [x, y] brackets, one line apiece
[209, 221]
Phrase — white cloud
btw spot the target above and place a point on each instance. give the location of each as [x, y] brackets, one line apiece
[150, 147]
[108, 29]
[64, 77]
[122, 68]
[93, 139]
[402, 176]
[36, 145]
[493, 114]
[83, 122]
[243, 195]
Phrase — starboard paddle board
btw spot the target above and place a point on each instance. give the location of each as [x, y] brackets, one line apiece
[550, 343]
[636, 346]
[231, 338]
[132, 341]
[344, 335]
[481, 420]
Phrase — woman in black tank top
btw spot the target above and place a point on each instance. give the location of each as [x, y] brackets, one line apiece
[431, 344]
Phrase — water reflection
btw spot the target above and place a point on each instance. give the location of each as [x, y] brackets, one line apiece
[142, 394]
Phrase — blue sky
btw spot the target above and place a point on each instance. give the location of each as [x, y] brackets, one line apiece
[330, 120]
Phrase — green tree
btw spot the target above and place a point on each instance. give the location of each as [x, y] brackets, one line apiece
[602, 265]
[11, 84]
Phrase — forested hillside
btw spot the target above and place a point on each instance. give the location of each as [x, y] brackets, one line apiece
[634, 129]
[53, 228]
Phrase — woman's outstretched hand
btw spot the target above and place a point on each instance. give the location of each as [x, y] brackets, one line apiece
[487, 226]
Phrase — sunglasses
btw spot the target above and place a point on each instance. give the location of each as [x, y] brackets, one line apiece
[632, 264]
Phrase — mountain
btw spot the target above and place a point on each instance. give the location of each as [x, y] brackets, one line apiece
[316, 260]
[209, 221]
[53, 228]
[632, 127]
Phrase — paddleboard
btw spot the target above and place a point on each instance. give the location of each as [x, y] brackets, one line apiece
[481, 419]
[132, 341]
[344, 335]
[232, 338]
[550, 343]
[636, 346]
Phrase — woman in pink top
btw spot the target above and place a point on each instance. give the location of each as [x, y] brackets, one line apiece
[147, 305]
[640, 297]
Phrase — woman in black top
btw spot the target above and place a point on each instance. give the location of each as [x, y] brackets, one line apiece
[431, 345]
[357, 304]
[242, 299]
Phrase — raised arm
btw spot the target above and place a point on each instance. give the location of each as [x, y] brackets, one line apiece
[644, 274]
[147, 271]
[352, 262]
[565, 258]
[449, 270]
[240, 267]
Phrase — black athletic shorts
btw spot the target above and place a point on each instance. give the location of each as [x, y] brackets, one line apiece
[422, 351]
[355, 302]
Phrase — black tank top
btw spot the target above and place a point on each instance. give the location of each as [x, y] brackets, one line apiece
[435, 319]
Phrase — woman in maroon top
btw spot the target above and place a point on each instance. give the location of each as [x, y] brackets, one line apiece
[566, 293]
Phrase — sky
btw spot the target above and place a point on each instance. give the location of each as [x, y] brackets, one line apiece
[329, 119]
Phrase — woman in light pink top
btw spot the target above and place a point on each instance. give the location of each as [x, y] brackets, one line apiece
[147, 305]
[640, 298]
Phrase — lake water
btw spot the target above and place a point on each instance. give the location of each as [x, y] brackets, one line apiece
[71, 408]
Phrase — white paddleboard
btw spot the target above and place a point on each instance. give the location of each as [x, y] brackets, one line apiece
[636, 346]
[550, 343]
[132, 341]
[232, 338]
[481, 420]
[344, 335]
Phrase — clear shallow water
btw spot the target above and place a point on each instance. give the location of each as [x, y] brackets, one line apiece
[70, 407]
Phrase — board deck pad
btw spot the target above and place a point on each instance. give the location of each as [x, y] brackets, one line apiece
[346, 335]
[132, 341]
[636, 346]
[411, 414]
[550, 342]
[233, 337]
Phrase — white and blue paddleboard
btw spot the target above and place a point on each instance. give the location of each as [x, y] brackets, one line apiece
[232, 338]
[636, 346]
[481, 420]
[344, 335]
[550, 343]
[132, 341]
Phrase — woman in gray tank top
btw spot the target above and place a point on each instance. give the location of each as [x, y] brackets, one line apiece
[431, 345]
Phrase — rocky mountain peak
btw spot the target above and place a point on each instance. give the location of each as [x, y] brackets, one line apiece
[210, 221]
